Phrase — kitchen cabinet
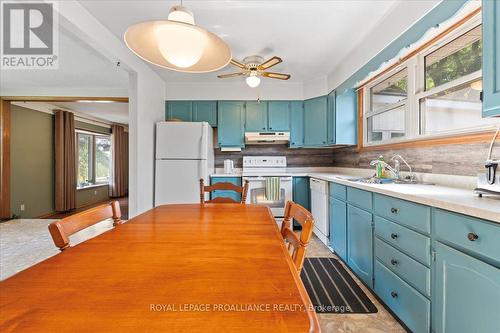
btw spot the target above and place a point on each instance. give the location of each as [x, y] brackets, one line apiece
[296, 124]
[279, 116]
[225, 194]
[256, 116]
[300, 192]
[179, 110]
[466, 296]
[330, 103]
[205, 111]
[338, 227]
[192, 111]
[315, 122]
[346, 125]
[231, 117]
[491, 54]
[360, 243]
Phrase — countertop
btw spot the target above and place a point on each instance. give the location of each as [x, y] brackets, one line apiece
[449, 198]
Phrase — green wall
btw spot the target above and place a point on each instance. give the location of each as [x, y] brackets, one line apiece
[32, 164]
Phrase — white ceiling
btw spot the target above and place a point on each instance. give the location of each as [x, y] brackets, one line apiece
[312, 37]
[82, 72]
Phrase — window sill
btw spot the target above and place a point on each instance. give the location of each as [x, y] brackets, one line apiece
[91, 186]
[483, 136]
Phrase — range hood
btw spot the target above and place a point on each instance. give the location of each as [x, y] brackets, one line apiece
[267, 137]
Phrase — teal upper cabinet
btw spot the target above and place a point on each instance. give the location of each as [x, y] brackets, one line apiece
[279, 116]
[346, 118]
[205, 111]
[491, 56]
[230, 116]
[256, 116]
[315, 122]
[331, 117]
[296, 124]
[179, 110]
[466, 294]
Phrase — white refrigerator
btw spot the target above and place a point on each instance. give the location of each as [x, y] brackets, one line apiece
[184, 154]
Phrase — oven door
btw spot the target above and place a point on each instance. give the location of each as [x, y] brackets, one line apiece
[257, 194]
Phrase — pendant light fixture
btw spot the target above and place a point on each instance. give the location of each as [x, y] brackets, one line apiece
[178, 43]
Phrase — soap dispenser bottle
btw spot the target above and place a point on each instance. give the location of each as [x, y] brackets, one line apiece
[380, 168]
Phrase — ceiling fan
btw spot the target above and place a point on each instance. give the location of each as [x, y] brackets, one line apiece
[253, 68]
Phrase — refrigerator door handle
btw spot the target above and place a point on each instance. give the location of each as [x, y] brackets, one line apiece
[204, 137]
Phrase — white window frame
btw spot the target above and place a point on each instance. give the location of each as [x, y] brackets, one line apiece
[416, 91]
[94, 181]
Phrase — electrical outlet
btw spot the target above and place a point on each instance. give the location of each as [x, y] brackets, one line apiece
[95, 192]
[22, 207]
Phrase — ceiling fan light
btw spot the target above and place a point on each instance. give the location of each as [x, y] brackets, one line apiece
[253, 81]
[181, 14]
[180, 44]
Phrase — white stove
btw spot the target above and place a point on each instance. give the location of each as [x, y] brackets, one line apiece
[256, 169]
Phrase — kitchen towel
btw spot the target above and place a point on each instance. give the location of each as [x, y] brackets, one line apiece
[273, 186]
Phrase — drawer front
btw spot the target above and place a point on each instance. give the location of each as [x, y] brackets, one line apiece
[338, 191]
[411, 242]
[404, 212]
[405, 267]
[469, 233]
[360, 198]
[407, 303]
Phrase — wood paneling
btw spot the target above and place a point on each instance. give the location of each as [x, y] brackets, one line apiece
[466, 159]
[296, 157]
[5, 129]
[144, 274]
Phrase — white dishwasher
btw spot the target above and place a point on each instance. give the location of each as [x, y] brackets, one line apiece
[319, 207]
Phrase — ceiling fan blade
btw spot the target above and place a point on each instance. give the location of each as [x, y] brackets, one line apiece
[238, 64]
[278, 76]
[224, 76]
[269, 63]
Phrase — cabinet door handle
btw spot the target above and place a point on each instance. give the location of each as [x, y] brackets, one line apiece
[394, 262]
[394, 210]
[472, 236]
[394, 294]
[394, 236]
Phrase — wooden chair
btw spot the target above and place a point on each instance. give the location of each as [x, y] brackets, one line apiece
[224, 186]
[297, 244]
[61, 230]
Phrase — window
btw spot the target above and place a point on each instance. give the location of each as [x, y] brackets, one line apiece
[94, 158]
[444, 97]
[388, 101]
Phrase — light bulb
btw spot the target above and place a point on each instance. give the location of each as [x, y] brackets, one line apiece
[181, 44]
[181, 14]
[253, 81]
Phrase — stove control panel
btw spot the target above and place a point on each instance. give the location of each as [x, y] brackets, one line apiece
[264, 161]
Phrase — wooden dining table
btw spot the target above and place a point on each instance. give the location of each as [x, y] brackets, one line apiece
[174, 268]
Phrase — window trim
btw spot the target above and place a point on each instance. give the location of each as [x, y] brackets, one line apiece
[416, 91]
[92, 167]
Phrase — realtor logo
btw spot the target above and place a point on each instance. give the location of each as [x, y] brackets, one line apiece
[29, 35]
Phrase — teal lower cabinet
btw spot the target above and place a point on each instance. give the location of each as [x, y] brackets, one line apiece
[360, 243]
[438, 271]
[466, 295]
[407, 303]
[226, 194]
[338, 227]
[301, 192]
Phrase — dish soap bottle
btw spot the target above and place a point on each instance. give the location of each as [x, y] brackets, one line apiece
[380, 167]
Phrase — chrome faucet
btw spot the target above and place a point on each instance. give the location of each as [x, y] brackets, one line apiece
[397, 167]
